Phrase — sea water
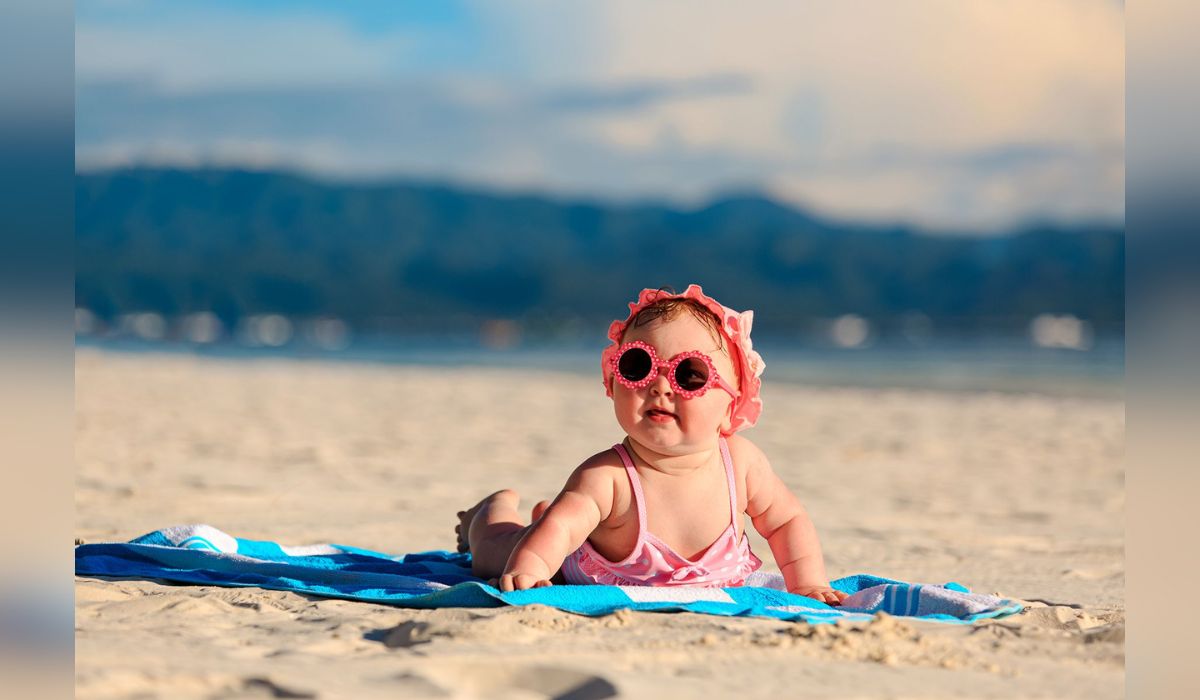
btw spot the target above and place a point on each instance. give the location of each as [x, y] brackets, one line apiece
[999, 363]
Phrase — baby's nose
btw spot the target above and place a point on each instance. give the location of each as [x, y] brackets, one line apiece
[661, 386]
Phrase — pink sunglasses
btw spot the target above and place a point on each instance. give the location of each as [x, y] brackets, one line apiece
[690, 373]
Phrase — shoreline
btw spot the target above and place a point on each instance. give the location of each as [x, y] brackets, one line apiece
[1103, 379]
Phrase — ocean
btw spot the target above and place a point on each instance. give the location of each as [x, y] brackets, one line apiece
[1000, 364]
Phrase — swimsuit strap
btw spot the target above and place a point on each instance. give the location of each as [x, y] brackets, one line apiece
[638, 497]
[733, 513]
[641, 499]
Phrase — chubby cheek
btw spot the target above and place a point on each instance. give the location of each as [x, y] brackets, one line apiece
[626, 406]
[725, 411]
[708, 411]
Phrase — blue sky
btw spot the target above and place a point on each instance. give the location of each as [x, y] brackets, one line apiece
[944, 113]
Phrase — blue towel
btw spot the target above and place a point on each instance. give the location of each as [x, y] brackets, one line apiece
[202, 554]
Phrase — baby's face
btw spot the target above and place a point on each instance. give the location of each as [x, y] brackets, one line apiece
[693, 424]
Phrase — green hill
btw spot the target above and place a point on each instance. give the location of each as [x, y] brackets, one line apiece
[419, 255]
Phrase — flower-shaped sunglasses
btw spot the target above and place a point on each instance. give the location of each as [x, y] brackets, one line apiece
[690, 373]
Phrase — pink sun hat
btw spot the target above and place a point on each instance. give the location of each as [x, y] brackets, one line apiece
[735, 327]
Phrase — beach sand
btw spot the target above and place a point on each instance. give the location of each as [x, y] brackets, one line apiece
[1018, 495]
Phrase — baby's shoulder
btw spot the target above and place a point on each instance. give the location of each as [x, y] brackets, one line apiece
[603, 461]
[603, 467]
[746, 456]
[603, 475]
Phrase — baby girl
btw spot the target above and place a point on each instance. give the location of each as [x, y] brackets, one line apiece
[665, 506]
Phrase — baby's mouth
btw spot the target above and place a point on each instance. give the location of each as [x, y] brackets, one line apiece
[660, 415]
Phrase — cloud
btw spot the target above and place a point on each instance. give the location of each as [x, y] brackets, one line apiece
[634, 95]
[939, 112]
[431, 129]
[222, 51]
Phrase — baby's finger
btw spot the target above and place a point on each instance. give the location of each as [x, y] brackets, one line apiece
[530, 581]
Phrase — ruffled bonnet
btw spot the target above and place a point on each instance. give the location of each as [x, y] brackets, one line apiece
[735, 327]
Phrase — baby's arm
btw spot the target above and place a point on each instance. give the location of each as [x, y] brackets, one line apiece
[779, 517]
[585, 502]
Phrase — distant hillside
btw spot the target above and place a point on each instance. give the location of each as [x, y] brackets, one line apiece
[238, 243]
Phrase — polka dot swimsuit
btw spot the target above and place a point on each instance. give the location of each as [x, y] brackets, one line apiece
[726, 562]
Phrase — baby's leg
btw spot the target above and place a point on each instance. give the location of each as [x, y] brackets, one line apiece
[492, 529]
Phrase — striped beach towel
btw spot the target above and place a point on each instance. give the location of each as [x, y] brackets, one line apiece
[201, 554]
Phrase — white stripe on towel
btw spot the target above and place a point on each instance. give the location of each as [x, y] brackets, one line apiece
[675, 594]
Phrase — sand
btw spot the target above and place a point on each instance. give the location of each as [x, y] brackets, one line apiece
[1020, 495]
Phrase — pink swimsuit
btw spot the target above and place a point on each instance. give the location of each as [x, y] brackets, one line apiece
[725, 563]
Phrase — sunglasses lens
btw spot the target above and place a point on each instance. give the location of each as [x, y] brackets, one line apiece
[691, 374]
[635, 364]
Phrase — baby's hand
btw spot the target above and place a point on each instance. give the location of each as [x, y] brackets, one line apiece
[825, 594]
[518, 582]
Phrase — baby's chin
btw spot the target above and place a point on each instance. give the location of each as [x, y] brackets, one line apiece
[671, 442]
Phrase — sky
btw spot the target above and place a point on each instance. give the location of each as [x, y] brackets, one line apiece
[966, 115]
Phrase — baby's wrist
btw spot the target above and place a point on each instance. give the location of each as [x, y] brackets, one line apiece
[538, 572]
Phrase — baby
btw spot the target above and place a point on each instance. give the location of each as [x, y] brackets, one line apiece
[665, 506]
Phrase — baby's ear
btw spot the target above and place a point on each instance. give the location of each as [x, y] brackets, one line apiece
[727, 421]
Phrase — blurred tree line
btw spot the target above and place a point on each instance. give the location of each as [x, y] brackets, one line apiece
[414, 255]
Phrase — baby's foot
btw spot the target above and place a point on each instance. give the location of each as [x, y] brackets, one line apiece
[464, 525]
